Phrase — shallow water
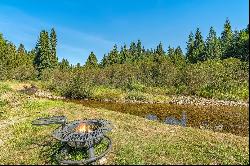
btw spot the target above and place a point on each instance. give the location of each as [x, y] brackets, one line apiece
[228, 119]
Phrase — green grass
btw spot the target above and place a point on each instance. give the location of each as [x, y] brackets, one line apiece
[135, 140]
[102, 93]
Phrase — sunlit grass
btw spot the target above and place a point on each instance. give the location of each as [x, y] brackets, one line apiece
[135, 139]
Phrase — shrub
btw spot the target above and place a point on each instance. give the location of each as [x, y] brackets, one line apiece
[136, 86]
[77, 89]
[102, 92]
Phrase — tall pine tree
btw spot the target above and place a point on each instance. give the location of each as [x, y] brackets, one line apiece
[91, 61]
[199, 47]
[159, 53]
[53, 43]
[241, 45]
[42, 59]
[190, 48]
[124, 54]
[226, 40]
[113, 56]
[104, 61]
[133, 51]
[213, 47]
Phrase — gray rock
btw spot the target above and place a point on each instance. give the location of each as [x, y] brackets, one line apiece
[152, 117]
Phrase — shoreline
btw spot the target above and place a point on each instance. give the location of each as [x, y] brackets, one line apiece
[179, 100]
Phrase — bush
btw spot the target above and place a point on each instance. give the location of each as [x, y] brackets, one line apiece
[23, 72]
[222, 79]
[77, 89]
[102, 92]
[136, 86]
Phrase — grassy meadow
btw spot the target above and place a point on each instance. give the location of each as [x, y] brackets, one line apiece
[135, 139]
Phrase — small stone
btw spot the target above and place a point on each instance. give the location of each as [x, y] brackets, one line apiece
[218, 128]
[103, 161]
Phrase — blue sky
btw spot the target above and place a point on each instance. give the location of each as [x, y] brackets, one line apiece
[83, 26]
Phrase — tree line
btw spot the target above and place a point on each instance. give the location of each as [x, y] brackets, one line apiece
[230, 44]
[217, 65]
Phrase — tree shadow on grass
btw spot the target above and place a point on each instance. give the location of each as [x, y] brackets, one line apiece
[52, 151]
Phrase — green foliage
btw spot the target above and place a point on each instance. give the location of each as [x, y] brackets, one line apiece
[196, 47]
[190, 48]
[4, 88]
[226, 40]
[76, 88]
[137, 96]
[177, 56]
[137, 86]
[91, 61]
[222, 79]
[46, 51]
[207, 69]
[102, 92]
[42, 59]
[15, 64]
[53, 43]
[199, 47]
[64, 65]
[213, 46]
[240, 48]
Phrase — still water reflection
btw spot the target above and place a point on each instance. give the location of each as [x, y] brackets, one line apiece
[218, 118]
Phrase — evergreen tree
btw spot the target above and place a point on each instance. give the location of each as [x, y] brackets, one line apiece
[78, 65]
[199, 47]
[31, 55]
[213, 47]
[4, 58]
[179, 58]
[24, 68]
[176, 56]
[159, 54]
[104, 61]
[21, 50]
[53, 42]
[133, 51]
[21, 58]
[226, 40]
[113, 56]
[241, 45]
[170, 52]
[11, 53]
[42, 59]
[139, 50]
[91, 61]
[124, 54]
[190, 48]
[11, 60]
[64, 64]
[159, 50]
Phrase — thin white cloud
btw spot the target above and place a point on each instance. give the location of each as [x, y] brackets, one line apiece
[19, 27]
